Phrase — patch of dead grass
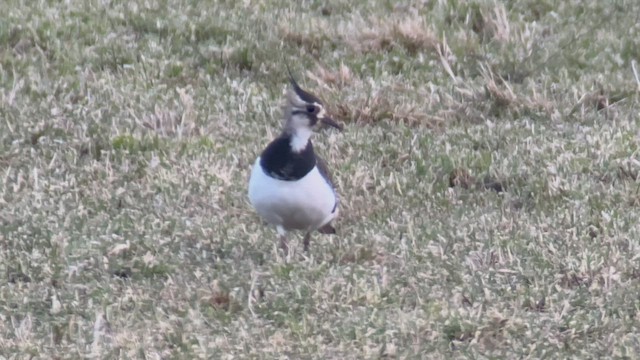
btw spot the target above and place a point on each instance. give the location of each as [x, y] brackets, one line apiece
[492, 23]
[178, 121]
[329, 79]
[365, 105]
[354, 100]
[382, 34]
[380, 107]
[503, 96]
[150, 249]
[312, 42]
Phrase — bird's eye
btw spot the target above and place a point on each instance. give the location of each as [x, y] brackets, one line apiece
[311, 109]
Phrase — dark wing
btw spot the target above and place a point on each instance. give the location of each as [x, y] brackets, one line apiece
[324, 171]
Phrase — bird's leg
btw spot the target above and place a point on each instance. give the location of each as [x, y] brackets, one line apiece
[282, 234]
[305, 241]
[284, 244]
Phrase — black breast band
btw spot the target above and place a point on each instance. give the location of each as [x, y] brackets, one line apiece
[280, 162]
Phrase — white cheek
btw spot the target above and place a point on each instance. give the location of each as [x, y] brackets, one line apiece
[299, 121]
[321, 112]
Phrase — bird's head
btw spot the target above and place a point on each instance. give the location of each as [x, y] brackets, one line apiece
[304, 111]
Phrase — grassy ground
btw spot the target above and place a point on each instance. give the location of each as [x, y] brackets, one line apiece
[489, 174]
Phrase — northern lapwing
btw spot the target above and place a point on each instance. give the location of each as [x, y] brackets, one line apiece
[290, 186]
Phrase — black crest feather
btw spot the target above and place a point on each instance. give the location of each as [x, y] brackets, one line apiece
[305, 96]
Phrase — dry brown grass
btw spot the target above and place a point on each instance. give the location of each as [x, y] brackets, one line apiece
[488, 174]
[356, 100]
[378, 34]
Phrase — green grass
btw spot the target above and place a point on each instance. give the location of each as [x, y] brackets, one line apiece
[127, 133]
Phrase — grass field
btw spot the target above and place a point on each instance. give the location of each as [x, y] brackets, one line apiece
[489, 173]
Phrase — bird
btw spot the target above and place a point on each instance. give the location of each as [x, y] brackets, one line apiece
[290, 186]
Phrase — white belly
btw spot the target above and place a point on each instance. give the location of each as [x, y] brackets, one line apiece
[305, 204]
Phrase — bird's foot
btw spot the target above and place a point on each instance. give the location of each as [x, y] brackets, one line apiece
[327, 229]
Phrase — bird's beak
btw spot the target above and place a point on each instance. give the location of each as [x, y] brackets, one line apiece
[329, 121]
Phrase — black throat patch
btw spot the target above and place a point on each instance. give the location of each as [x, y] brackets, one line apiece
[280, 162]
